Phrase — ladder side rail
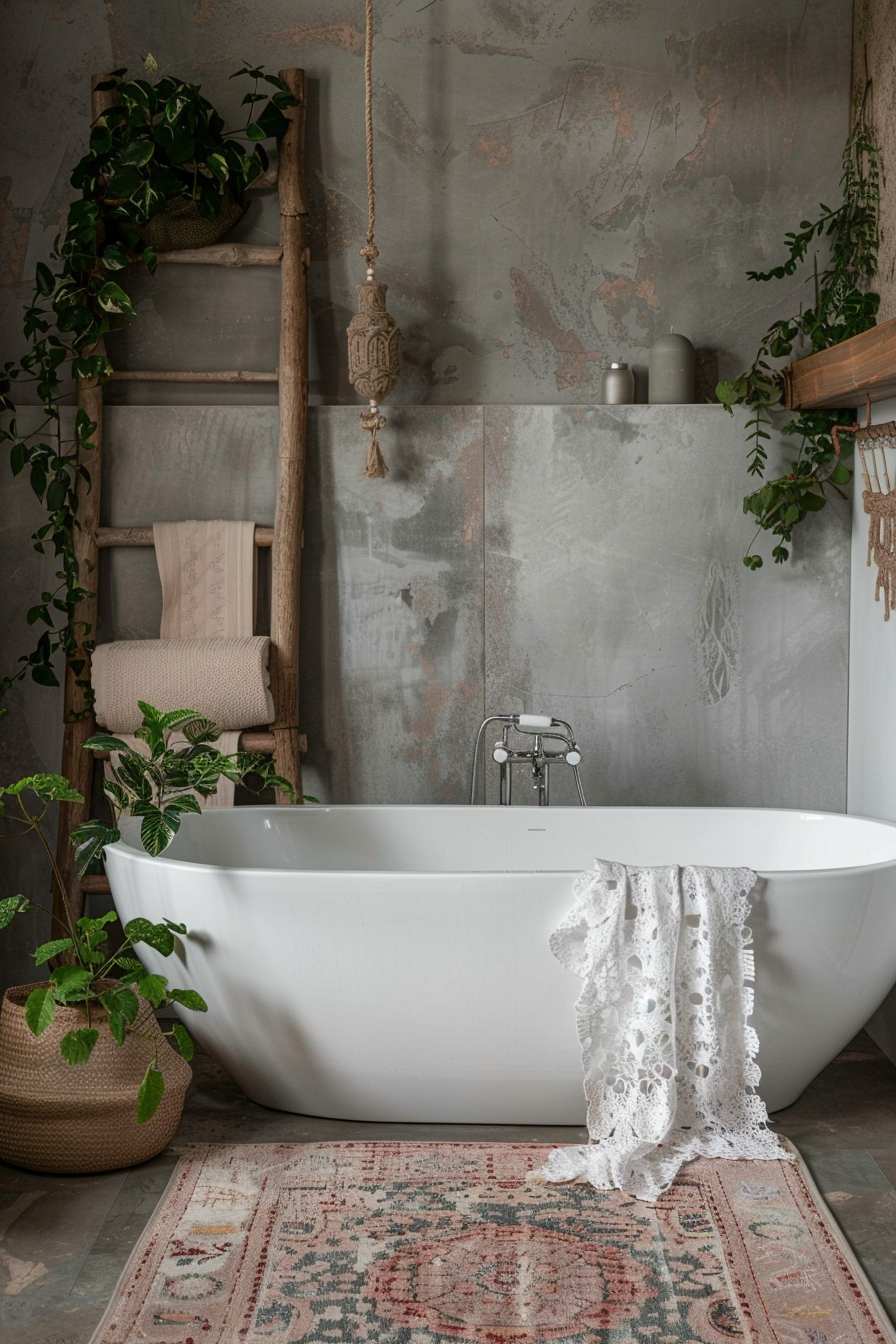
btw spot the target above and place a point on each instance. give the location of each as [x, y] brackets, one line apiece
[79, 722]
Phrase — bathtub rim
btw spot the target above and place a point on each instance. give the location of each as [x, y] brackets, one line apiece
[765, 873]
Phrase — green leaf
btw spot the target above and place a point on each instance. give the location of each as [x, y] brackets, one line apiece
[841, 475]
[124, 183]
[46, 280]
[113, 299]
[77, 1045]
[138, 153]
[116, 794]
[40, 1009]
[152, 1089]
[188, 998]
[180, 805]
[50, 788]
[182, 1039]
[154, 988]
[218, 165]
[272, 122]
[129, 964]
[51, 949]
[154, 935]
[11, 906]
[201, 731]
[90, 839]
[44, 675]
[175, 717]
[157, 831]
[106, 742]
[71, 983]
[121, 1000]
[118, 1027]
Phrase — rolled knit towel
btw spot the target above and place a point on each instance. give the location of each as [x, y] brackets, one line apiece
[226, 680]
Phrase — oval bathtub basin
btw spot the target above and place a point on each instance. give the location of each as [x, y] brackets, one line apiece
[392, 963]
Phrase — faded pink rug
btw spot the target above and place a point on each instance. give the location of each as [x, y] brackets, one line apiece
[438, 1243]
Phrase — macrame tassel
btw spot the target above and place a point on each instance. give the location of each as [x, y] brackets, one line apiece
[374, 467]
[879, 500]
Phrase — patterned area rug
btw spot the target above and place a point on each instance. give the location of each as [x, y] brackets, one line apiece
[440, 1243]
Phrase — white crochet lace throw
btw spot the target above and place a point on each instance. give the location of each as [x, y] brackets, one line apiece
[662, 1018]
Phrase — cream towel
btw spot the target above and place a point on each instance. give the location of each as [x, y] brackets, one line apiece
[224, 679]
[208, 578]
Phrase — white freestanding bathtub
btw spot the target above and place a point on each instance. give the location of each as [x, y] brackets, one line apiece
[392, 963]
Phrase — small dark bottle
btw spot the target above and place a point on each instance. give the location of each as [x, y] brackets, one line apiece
[617, 385]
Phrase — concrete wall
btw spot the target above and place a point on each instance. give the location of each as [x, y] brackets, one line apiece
[556, 184]
[874, 56]
[555, 188]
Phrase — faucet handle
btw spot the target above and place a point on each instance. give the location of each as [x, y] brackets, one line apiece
[573, 756]
[500, 753]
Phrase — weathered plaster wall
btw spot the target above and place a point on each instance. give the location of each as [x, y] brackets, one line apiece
[557, 183]
[874, 55]
[556, 186]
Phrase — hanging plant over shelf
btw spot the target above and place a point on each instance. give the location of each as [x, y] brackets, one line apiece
[159, 160]
[374, 341]
[844, 306]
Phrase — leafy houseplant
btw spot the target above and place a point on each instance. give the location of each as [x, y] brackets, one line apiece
[843, 307]
[156, 787]
[160, 146]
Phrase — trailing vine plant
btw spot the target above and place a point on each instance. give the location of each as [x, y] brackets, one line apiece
[159, 143]
[844, 306]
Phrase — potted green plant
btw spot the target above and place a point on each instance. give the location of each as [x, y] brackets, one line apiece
[844, 305]
[159, 160]
[95, 1012]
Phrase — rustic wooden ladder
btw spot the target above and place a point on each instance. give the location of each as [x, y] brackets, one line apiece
[285, 538]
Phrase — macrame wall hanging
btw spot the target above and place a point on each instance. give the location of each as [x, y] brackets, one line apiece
[374, 341]
[877, 450]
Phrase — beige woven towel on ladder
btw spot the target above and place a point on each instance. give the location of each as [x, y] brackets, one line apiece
[207, 571]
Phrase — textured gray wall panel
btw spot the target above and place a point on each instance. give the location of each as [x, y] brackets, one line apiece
[392, 679]
[616, 598]
[556, 184]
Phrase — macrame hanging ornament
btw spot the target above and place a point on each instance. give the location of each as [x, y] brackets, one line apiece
[877, 450]
[374, 341]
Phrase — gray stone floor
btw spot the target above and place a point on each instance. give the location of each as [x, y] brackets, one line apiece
[64, 1240]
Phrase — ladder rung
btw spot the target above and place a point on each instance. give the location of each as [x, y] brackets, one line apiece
[261, 742]
[95, 884]
[227, 254]
[171, 376]
[142, 536]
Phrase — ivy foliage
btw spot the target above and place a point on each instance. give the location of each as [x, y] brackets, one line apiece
[159, 143]
[844, 305]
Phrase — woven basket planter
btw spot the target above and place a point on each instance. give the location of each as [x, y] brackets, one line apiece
[180, 226]
[70, 1118]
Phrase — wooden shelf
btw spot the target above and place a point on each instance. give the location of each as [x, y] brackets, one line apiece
[845, 374]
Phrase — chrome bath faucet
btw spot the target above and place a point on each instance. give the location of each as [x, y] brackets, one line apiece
[537, 740]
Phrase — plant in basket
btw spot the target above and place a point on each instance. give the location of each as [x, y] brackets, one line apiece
[95, 1012]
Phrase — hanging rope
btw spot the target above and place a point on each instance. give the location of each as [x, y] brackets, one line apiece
[374, 341]
[370, 250]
